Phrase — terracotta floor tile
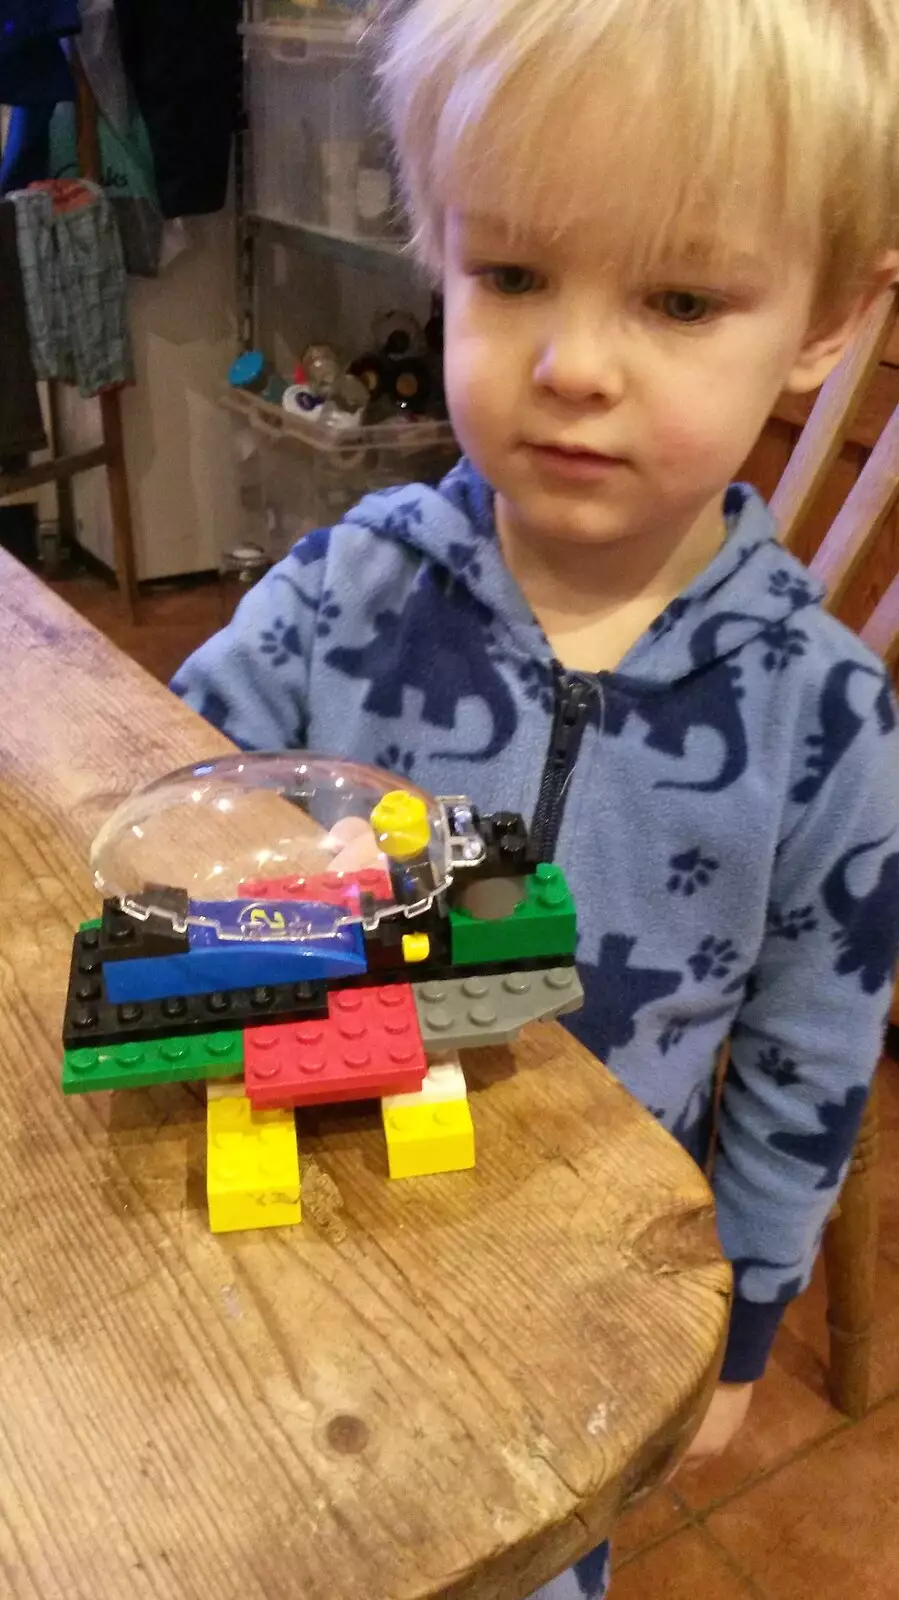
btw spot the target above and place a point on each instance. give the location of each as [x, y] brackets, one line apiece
[649, 1520]
[687, 1567]
[826, 1526]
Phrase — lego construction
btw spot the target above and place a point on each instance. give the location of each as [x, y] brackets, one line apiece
[297, 931]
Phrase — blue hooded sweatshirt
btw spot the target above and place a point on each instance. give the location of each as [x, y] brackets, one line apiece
[725, 807]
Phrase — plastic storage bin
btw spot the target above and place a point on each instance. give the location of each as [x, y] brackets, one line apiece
[318, 159]
[345, 16]
[293, 478]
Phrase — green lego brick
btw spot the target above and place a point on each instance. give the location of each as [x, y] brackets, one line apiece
[92, 922]
[137, 1065]
[544, 924]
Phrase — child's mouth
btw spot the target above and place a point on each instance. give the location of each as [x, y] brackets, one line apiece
[573, 464]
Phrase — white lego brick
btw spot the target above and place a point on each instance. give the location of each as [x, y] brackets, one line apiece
[443, 1081]
[224, 1088]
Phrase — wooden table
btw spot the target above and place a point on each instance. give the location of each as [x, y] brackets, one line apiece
[441, 1387]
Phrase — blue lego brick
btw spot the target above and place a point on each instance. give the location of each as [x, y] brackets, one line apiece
[230, 965]
[262, 919]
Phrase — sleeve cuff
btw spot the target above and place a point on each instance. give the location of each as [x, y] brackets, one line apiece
[753, 1326]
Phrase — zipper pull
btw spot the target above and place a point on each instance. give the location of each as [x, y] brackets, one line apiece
[575, 699]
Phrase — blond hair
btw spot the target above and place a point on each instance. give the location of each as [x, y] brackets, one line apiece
[715, 109]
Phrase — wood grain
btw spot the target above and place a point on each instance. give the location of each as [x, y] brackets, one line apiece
[443, 1387]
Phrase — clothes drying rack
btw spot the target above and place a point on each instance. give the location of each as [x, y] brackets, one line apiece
[60, 469]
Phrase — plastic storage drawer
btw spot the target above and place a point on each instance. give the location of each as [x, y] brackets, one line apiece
[318, 160]
[292, 478]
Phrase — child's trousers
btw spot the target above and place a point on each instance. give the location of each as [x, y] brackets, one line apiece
[587, 1580]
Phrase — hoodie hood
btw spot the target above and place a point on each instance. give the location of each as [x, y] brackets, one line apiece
[752, 589]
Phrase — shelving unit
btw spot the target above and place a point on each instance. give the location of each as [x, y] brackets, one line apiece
[319, 254]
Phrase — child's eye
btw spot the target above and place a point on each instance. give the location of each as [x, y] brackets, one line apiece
[509, 281]
[685, 305]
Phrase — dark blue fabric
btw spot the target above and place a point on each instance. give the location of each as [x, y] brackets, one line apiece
[753, 1326]
[183, 63]
[22, 21]
[593, 1572]
[36, 75]
[26, 153]
[33, 68]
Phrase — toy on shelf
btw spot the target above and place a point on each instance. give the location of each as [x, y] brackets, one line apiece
[297, 931]
[399, 379]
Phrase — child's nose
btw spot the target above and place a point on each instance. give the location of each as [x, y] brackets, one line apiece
[580, 360]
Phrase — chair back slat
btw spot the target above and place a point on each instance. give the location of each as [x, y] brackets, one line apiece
[881, 631]
[831, 418]
[853, 532]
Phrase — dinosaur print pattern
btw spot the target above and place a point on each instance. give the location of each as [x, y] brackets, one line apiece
[311, 548]
[771, 1062]
[707, 699]
[791, 925]
[694, 1124]
[867, 938]
[691, 870]
[615, 992]
[840, 725]
[783, 645]
[393, 759]
[788, 1288]
[786, 585]
[830, 1148]
[715, 958]
[401, 656]
[281, 641]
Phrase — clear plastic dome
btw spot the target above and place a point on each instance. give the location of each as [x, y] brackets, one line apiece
[276, 847]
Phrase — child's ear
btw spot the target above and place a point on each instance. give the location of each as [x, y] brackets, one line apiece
[826, 345]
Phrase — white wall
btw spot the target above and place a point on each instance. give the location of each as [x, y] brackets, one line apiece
[177, 437]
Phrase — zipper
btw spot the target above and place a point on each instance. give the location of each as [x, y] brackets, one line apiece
[574, 697]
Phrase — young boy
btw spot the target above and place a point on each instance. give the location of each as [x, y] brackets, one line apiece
[647, 221]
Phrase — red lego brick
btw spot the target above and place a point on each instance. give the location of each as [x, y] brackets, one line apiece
[368, 1046]
[326, 888]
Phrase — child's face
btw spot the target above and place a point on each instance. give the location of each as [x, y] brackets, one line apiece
[662, 385]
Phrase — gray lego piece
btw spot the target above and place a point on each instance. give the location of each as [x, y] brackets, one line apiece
[462, 1013]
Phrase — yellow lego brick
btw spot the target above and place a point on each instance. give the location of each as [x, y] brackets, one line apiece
[252, 1164]
[416, 947]
[424, 1139]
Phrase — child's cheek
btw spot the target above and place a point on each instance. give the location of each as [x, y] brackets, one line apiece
[687, 446]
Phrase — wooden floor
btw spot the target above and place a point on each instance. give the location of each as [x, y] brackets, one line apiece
[805, 1506]
[172, 618]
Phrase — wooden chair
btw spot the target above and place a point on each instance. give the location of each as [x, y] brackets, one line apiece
[851, 1238]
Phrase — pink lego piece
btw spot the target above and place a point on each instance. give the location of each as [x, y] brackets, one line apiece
[369, 1045]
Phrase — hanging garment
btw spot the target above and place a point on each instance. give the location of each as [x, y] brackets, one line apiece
[34, 77]
[100, 55]
[33, 69]
[126, 170]
[183, 64]
[73, 274]
[21, 423]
